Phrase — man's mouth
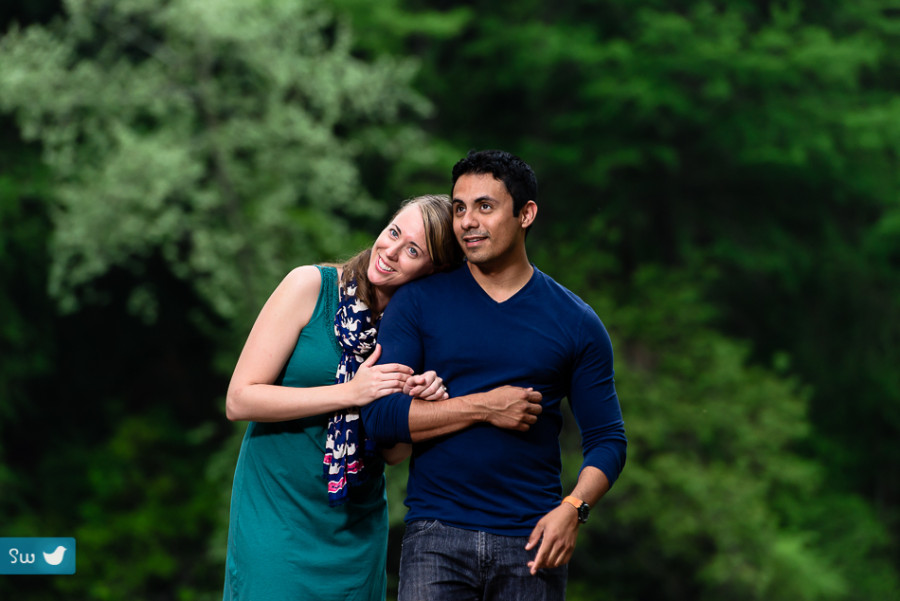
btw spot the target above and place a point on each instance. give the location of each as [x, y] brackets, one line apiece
[473, 238]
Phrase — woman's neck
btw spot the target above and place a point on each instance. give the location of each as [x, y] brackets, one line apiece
[382, 296]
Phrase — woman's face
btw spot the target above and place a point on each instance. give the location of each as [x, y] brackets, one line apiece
[400, 253]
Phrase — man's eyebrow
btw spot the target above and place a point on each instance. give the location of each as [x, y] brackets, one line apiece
[479, 199]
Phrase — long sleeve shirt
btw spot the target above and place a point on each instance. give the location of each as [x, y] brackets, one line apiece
[544, 337]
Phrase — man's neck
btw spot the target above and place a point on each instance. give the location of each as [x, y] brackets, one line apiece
[501, 282]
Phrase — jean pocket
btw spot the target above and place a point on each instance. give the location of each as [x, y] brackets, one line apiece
[418, 528]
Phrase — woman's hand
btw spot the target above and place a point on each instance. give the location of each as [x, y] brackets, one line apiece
[427, 386]
[375, 381]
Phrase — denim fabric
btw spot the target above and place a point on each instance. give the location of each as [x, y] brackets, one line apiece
[442, 563]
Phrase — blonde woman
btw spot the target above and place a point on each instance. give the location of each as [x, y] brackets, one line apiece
[308, 510]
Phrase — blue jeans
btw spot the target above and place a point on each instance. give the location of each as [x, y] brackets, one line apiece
[442, 563]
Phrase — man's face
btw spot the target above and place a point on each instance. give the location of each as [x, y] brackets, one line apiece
[483, 220]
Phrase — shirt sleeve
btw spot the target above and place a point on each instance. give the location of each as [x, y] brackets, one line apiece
[386, 420]
[594, 401]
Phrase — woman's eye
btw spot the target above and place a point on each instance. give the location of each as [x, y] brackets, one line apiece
[392, 232]
[413, 252]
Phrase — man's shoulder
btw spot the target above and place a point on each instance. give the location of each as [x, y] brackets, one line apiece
[569, 312]
[441, 281]
[563, 294]
[427, 291]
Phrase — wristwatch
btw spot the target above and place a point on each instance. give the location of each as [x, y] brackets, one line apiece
[583, 508]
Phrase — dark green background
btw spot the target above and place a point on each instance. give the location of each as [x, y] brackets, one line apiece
[718, 179]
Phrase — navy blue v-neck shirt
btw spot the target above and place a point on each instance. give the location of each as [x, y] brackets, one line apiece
[544, 337]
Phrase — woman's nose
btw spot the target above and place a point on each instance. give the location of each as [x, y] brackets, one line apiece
[393, 250]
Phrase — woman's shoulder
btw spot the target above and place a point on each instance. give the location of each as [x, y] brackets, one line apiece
[302, 284]
[306, 275]
[303, 276]
[292, 303]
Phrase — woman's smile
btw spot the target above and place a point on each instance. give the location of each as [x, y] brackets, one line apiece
[381, 265]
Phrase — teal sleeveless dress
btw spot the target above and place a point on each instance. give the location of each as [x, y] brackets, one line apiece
[284, 541]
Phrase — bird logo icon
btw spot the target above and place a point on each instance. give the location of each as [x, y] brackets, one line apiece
[55, 558]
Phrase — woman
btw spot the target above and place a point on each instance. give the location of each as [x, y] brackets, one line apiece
[292, 535]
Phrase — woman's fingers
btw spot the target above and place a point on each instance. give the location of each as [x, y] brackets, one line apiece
[373, 358]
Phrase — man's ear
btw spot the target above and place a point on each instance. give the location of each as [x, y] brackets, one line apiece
[528, 213]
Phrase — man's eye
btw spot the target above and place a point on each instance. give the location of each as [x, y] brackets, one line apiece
[485, 207]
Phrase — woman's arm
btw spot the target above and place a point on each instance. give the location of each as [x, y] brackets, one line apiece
[252, 394]
[397, 453]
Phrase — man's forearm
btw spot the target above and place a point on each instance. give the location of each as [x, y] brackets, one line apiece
[429, 419]
[591, 486]
[509, 407]
[557, 532]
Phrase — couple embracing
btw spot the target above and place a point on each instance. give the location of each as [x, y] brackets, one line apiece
[444, 342]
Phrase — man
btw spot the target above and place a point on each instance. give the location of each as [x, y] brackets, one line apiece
[487, 519]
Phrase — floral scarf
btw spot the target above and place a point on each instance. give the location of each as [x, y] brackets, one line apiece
[344, 462]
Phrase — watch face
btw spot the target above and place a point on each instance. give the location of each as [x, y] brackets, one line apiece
[583, 512]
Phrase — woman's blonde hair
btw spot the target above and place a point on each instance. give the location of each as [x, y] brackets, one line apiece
[441, 244]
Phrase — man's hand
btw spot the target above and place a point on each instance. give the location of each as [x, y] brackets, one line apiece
[558, 529]
[511, 407]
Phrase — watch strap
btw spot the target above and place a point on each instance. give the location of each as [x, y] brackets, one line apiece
[573, 501]
[580, 506]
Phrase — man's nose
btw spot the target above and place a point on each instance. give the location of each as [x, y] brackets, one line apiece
[467, 221]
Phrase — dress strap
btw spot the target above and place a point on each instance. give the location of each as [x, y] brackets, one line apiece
[328, 298]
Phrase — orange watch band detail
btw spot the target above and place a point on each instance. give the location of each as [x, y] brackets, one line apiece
[573, 501]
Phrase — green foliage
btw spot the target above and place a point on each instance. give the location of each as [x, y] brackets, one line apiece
[717, 178]
[716, 502]
[754, 147]
[135, 484]
[222, 135]
[26, 342]
[110, 445]
[195, 152]
[386, 26]
[25, 229]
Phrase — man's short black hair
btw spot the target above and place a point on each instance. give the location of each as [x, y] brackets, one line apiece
[519, 178]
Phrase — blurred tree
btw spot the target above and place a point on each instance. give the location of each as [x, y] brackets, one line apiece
[191, 153]
[222, 135]
[200, 149]
[716, 502]
[26, 12]
[25, 311]
[26, 342]
[752, 145]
